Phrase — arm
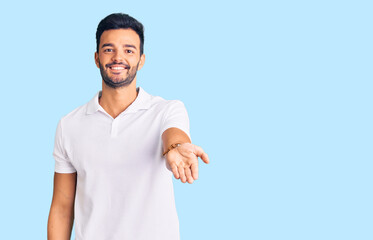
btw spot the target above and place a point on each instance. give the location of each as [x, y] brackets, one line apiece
[183, 160]
[61, 215]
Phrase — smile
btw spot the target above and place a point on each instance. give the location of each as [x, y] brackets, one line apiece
[117, 66]
[118, 69]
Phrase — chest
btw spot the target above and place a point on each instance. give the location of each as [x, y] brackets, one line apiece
[129, 143]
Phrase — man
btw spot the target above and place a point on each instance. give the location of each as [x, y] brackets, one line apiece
[115, 155]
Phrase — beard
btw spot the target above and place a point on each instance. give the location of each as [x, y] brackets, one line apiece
[118, 81]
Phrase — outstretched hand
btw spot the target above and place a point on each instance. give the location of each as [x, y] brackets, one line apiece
[183, 161]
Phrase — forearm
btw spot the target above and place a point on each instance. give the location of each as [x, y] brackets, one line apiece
[172, 136]
[60, 223]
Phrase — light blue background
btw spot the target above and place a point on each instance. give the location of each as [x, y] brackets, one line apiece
[279, 94]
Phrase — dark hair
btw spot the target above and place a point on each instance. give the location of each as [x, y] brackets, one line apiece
[118, 21]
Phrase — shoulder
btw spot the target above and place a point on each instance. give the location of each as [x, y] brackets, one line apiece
[161, 104]
[170, 110]
[74, 116]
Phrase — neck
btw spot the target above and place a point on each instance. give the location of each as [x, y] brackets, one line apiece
[115, 101]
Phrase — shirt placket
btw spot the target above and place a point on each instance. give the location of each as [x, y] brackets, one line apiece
[114, 127]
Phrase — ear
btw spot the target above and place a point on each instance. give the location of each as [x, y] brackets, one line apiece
[142, 61]
[97, 60]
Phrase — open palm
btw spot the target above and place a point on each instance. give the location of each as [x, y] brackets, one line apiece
[183, 161]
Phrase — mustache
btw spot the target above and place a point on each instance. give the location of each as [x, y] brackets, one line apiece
[114, 63]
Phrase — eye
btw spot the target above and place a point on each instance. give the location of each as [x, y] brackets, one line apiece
[129, 51]
[108, 50]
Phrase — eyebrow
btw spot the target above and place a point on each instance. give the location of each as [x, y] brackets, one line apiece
[107, 45]
[125, 45]
[130, 45]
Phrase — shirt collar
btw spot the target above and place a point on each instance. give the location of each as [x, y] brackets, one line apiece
[142, 101]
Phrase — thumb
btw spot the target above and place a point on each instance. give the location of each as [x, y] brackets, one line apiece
[198, 151]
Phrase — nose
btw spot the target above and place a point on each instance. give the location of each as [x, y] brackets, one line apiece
[118, 57]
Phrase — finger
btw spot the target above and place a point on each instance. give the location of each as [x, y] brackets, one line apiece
[205, 158]
[175, 171]
[194, 168]
[182, 174]
[188, 174]
[200, 153]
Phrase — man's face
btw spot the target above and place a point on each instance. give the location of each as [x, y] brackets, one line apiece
[119, 57]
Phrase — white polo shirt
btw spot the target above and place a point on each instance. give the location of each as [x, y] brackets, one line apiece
[124, 190]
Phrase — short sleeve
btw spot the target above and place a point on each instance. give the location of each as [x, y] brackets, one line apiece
[176, 116]
[62, 163]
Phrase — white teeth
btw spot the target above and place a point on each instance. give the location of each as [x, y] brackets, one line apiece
[117, 68]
